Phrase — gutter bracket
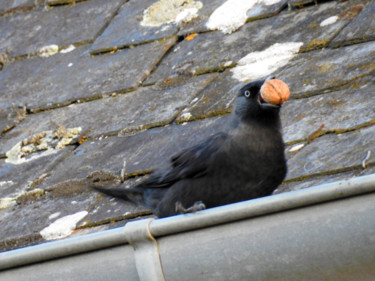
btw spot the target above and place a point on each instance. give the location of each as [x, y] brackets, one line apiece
[146, 250]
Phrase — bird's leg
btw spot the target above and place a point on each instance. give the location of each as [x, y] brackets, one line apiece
[198, 206]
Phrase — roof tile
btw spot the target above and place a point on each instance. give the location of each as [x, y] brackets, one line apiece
[215, 51]
[147, 107]
[76, 76]
[63, 26]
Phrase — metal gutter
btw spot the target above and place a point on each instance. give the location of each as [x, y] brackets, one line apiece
[327, 230]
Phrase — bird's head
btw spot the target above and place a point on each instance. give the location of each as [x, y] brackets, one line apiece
[261, 98]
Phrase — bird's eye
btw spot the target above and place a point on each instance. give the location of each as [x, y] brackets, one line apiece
[247, 94]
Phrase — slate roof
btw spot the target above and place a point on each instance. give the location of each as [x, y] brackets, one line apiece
[90, 88]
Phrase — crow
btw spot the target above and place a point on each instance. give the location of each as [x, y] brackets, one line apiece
[244, 161]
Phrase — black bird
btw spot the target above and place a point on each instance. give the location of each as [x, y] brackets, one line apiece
[244, 161]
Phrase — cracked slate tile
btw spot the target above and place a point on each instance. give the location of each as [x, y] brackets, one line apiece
[10, 117]
[43, 212]
[322, 70]
[101, 209]
[338, 111]
[198, 24]
[81, 231]
[300, 3]
[333, 152]
[12, 5]
[19, 178]
[110, 210]
[342, 110]
[26, 33]
[263, 9]
[214, 51]
[354, 31]
[258, 11]
[59, 2]
[298, 185]
[77, 76]
[131, 15]
[216, 99]
[141, 152]
[144, 108]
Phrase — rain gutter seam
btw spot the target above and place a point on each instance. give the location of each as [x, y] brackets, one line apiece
[146, 250]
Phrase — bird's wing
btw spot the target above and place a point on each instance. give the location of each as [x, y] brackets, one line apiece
[190, 163]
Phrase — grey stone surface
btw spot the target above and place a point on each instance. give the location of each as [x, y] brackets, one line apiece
[81, 231]
[318, 71]
[17, 229]
[10, 117]
[81, 23]
[346, 109]
[28, 33]
[147, 107]
[314, 181]
[18, 178]
[136, 125]
[258, 11]
[215, 99]
[131, 15]
[339, 111]
[12, 5]
[300, 3]
[262, 10]
[77, 76]
[214, 51]
[198, 24]
[332, 153]
[141, 152]
[354, 31]
[59, 2]
[109, 210]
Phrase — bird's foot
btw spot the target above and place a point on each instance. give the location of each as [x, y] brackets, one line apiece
[198, 206]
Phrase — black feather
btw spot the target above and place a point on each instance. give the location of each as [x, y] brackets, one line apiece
[243, 162]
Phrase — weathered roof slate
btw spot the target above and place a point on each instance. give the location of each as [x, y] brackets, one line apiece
[26, 34]
[17, 5]
[111, 98]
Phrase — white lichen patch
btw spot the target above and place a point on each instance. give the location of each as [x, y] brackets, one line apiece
[53, 216]
[47, 51]
[62, 227]
[69, 49]
[7, 202]
[230, 16]
[260, 64]
[329, 21]
[186, 116]
[186, 15]
[170, 11]
[12, 201]
[296, 147]
[5, 183]
[270, 2]
[42, 144]
[194, 100]
[228, 63]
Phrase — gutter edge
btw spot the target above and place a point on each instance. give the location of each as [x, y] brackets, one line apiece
[167, 226]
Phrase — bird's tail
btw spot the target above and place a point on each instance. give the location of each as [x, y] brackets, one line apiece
[128, 194]
[109, 183]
